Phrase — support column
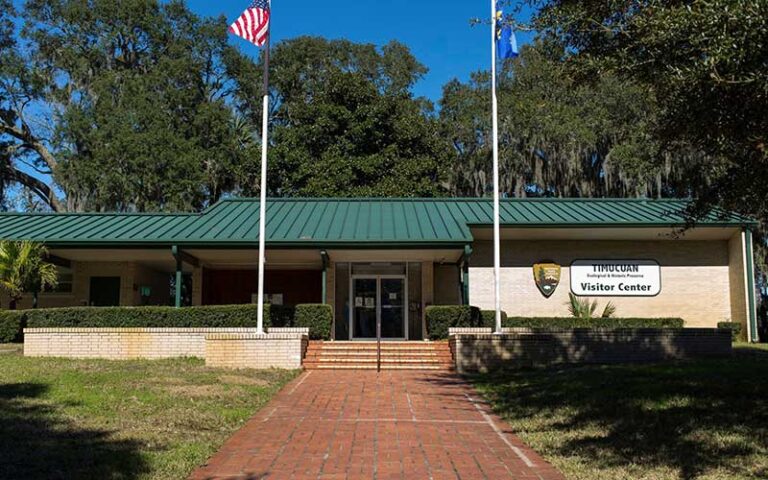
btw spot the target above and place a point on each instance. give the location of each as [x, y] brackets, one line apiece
[427, 293]
[179, 274]
[326, 262]
[750, 272]
[465, 273]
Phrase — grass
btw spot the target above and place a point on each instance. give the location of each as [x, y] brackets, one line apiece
[120, 420]
[704, 419]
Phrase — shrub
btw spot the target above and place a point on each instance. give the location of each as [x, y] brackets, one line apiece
[488, 318]
[317, 317]
[572, 322]
[441, 318]
[585, 309]
[734, 327]
[226, 316]
[11, 326]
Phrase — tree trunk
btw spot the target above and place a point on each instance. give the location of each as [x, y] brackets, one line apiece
[12, 304]
[34, 299]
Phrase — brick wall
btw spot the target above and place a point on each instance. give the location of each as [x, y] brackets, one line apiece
[478, 350]
[224, 347]
[698, 278]
[274, 350]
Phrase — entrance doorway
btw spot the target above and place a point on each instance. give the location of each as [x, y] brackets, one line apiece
[379, 300]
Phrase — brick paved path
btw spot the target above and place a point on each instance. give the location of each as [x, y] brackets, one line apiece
[360, 424]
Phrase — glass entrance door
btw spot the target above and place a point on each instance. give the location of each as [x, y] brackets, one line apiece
[365, 307]
[378, 299]
[392, 311]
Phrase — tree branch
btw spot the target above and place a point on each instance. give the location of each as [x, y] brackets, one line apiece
[40, 188]
[25, 135]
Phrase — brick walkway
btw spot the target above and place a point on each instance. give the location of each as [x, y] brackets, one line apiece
[360, 424]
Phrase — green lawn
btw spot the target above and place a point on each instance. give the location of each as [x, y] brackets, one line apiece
[62, 419]
[704, 419]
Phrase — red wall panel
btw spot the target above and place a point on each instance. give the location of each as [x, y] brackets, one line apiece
[235, 287]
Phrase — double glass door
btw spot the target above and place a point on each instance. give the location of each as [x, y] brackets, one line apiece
[378, 302]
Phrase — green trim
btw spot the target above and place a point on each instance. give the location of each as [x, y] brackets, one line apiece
[614, 225]
[752, 314]
[249, 245]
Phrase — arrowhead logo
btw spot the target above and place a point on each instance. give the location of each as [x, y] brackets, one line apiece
[547, 277]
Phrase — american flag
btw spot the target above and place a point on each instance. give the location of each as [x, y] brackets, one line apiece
[253, 24]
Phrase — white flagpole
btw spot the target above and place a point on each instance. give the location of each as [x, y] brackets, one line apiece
[496, 226]
[263, 192]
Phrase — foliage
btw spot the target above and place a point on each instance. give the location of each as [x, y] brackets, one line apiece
[734, 327]
[488, 318]
[226, 316]
[317, 317]
[346, 123]
[11, 325]
[23, 269]
[703, 62]
[440, 318]
[600, 322]
[135, 420]
[125, 104]
[584, 309]
[559, 136]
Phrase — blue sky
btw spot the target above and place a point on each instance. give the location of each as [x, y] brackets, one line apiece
[439, 33]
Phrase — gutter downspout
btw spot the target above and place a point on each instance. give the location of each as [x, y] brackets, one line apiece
[176, 251]
[752, 313]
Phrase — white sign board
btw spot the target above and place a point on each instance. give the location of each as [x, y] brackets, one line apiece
[615, 278]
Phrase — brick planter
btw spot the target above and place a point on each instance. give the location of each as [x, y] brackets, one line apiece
[479, 350]
[281, 348]
[229, 347]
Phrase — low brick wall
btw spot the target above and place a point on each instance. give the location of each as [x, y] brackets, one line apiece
[479, 350]
[276, 349]
[249, 350]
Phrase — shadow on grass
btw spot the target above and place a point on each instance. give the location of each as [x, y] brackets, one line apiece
[690, 417]
[36, 443]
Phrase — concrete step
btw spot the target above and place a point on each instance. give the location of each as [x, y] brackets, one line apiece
[364, 356]
[383, 360]
[387, 367]
[383, 354]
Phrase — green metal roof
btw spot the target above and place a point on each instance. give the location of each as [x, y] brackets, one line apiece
[336, 222]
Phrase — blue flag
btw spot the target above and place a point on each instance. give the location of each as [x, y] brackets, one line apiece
[506, 42]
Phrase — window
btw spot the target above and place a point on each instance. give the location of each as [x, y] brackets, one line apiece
[65, 279]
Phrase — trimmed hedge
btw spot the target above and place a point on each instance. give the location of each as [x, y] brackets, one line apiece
[570, 322]
[488, 318]
[225, 316]
[317, 317]
[734, 327]
[440, 318]
[11, 326]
